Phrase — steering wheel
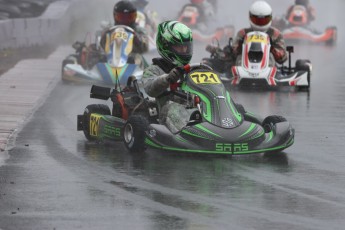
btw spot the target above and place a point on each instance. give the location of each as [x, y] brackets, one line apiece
[187, 68]
[127, 28]
[194, 66]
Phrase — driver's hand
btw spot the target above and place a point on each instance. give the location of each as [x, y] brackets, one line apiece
[175, 75]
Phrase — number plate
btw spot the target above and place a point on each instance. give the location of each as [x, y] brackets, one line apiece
[205, 78]
[256, 38]
[119, 35]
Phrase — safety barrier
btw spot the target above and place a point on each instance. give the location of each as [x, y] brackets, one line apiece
[47, 29]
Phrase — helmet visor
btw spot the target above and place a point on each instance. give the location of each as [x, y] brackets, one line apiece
[125, 18]
[260, 20]
[183, 49]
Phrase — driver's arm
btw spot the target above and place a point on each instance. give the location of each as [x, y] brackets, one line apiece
[237, 45]
[278, 47]
[155, 81]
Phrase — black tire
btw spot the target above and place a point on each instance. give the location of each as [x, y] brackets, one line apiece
[330, 42]
[270, 121]
[94, 108]
[134, 133]
[302, 65]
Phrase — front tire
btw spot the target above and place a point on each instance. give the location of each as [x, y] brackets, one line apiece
[94, 108]
[270, 121]
[65, 62]
[134, 133]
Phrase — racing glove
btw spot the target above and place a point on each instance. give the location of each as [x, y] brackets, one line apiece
[175, 75]
[279, 55]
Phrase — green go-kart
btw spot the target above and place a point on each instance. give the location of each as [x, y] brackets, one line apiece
[216, 124]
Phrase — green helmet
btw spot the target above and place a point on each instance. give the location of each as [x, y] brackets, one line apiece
[175, 42]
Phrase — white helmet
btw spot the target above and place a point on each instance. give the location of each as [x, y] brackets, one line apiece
[260, 15]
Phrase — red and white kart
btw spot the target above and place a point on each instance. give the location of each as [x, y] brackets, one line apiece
[258, 68]
[296, 27]
[190, 16]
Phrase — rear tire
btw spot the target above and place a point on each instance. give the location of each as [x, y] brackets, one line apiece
[270, 121]
[303, 65]
[134, 133]
[94, 108]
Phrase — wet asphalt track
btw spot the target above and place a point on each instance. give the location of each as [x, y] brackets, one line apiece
[54, 179]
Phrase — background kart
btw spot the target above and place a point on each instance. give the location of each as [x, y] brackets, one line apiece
[256, 67]
[190, 16]
[108, 67]
[297, 28]
[216, 124]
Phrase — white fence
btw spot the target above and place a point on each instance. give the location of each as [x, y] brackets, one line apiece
[46, 29]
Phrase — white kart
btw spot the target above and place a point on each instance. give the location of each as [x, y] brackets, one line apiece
[258, 68]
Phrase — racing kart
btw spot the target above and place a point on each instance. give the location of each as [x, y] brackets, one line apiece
[256, 66]
[216, 126]
[115, 64]
[190, 16]
[296, 27]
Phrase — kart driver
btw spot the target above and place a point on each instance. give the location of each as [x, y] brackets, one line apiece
[310, 10]
[205, 10]
[174, 44]
[260, 16]
[125, 13]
